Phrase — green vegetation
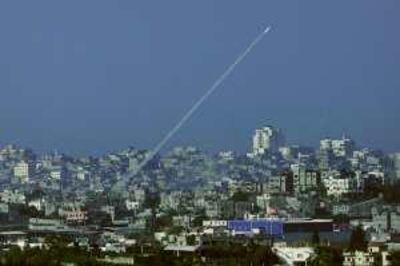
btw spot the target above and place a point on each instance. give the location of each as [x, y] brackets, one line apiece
[163, 222]
[390, 192]
[341, 218]
[315, 238]
[395, 257]
[199, 217]
[175, 230]
[237, 254]
[327, 256]
[52, 256]
[241, 196]
[358, 240]
[191, 240]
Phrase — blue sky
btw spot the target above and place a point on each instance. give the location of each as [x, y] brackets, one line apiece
[93, 76]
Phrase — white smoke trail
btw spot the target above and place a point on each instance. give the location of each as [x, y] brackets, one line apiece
[199, 102]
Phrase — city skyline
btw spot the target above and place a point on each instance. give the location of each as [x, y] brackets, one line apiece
[89, 87]
[200, 132]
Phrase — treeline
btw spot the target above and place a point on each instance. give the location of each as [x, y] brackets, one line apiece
[333, 255]
[239, 254]
[52, 256]
[58, 253]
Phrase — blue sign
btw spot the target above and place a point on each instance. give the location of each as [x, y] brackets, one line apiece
[272, 227]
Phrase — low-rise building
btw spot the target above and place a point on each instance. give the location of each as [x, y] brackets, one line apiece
[14, 238]
[22, 171]
[75, 215]
[358, 258]
[294, 255]
[132, 205]
[386, 218]
[337, 186]
[215, 223]
[12, 196]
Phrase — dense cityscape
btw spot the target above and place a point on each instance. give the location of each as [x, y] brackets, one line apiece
[337, 204]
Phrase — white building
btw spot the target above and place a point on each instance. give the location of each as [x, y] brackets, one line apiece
[289, 152]
[395, 158]
[386, 219]
[57, 173]
[82, 175]
[75, 215]
[10, 196]
[14, 238]
[294, 255]
[337, 186]
[215, 223]
[22, 170]
[358, 258]
[277, 184]
[38, 204]
[36, 224]
[304, 180]
[132, 205]
[339, 147]
[267, 139]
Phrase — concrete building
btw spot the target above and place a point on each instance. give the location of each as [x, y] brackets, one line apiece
[132, 205]
[267, 139]
[22, 171]
[289, 152]
[36, 224]
[395, 165]
[343, 147]
[75, 215]
[279, 184]
[57, 173]
[82, 175]
[12, 196]
[386, 219]
[294, 255]
[336, 186]
[215, 223]
[357, 210]
[358, 258]
[14, 238]
[38, 204]
[304, 179]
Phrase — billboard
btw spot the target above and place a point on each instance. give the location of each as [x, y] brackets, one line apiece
[271, 227]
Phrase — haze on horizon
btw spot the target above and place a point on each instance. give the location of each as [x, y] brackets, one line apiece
[95, 76]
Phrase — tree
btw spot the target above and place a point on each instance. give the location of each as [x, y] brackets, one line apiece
[57, 254]
[341, 218]
[315, 238]
[199, 218]
[395, 257]
[391, 193]
[152, 201]
[378, 259]
[327, 256]
[241, 196]
[191, 240]
[358, 240]
[237, 254]
[164, 221]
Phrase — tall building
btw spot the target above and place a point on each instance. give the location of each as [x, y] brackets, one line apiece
[22, 171]
[395, 165]
[304, 180]
[343, 147]
[267, 139]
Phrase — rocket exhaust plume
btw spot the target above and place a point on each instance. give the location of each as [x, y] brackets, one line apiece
[200, 101]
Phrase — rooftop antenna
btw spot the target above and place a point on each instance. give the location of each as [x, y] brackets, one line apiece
[200, 101]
